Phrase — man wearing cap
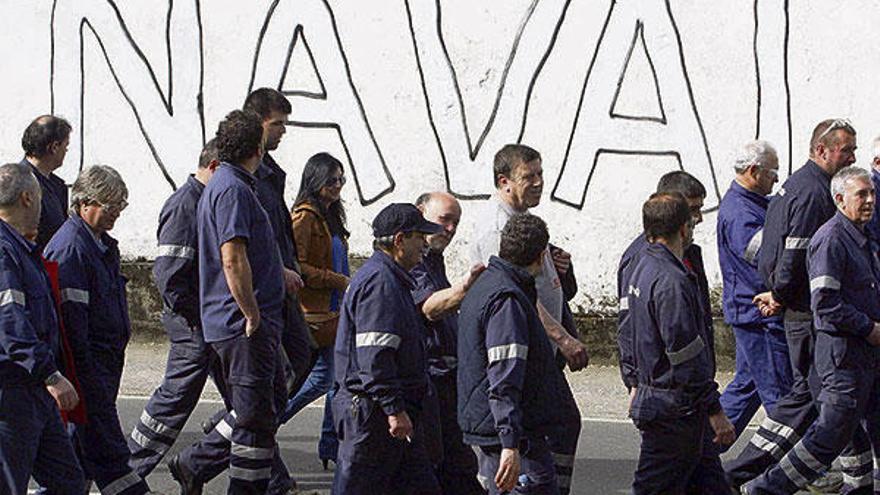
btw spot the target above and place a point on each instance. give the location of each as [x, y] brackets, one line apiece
[381, 368]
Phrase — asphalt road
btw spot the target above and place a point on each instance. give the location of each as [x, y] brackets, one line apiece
[606, 458]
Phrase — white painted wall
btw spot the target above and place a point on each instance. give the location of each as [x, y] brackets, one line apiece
[394, 82]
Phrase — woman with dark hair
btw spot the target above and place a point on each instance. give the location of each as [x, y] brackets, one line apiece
[322, 249]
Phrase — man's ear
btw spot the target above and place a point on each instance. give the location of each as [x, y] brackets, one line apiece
[398, 239]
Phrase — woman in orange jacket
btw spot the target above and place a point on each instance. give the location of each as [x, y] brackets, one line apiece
[322, 249]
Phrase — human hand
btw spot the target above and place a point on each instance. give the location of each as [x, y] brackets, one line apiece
[575, 353]
[400, 426]
[251, 325]
[475, 272]
[292, 281]
[508, 470]
[561, 260]
[766, 304]
[63, 392]
[873, 338]
[723, 428]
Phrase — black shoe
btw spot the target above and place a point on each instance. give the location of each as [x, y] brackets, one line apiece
[186, 478]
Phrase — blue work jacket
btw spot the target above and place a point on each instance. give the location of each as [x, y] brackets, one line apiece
[673, 354]
[440, 339]
[795, 213]
[271, 181]
[29, 333]
[53, 210]
[740, 229]
[177, 267]
[380, 347]
[844, 279]
[508, 381]
[693, 261]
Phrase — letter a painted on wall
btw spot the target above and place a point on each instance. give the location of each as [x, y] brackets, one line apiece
[599, 128]
[337, 105]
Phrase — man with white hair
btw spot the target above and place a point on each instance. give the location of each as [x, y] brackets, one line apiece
[94, 310]
[32, 389]
[844, 274]
[763, 371]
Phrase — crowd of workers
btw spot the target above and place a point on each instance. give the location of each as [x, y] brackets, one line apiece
[433, 387]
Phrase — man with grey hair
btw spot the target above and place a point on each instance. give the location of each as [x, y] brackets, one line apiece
[873, 226]
[844, 274]
[763, 371]
[794, 214]
[94, 310]
[32, 389]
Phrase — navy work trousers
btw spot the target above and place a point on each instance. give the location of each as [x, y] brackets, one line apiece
[370, 460]
[33, 443]
[190, 362]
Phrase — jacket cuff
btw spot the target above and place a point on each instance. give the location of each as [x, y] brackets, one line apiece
[44, 372]
[865, 329]
[510, 438]
[392, 406]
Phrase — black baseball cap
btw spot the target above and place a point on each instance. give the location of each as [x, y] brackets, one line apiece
[402, 217]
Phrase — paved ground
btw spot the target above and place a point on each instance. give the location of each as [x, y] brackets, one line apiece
[606, 457]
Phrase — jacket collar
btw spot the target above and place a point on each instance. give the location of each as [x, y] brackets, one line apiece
[854, 232]
[405, 278]
[739, 190]
[240, 173]
[195, 184]
[521, 277]
[661, 252]
[101, 244]
[10, 233]
[816, 170]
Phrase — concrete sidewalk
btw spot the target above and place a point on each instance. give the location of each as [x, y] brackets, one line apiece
[598, 389]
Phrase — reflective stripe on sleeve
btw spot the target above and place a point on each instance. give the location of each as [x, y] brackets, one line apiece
[754, 245]
[797, 243]
[174, 251]
[686, 353]
[824, 282]
[509, 351]
[377, 339]
[10, 296]
[75, 295]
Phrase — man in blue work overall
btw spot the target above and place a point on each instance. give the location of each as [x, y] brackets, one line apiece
[45, 144]
[794, 214]
[763, 369]
[675, 405]
[844, 274]
[190, 359]
[32, 437]
[94, 309]
[694, 192]
[380, 366]
[241, 289]
[508, 380]
[438, 301]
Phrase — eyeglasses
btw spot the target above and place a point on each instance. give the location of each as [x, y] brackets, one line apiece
[835, 125]
[772, 172]
[114, 207]
[333, 181]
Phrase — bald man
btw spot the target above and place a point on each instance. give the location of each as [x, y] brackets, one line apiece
[438, 300]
